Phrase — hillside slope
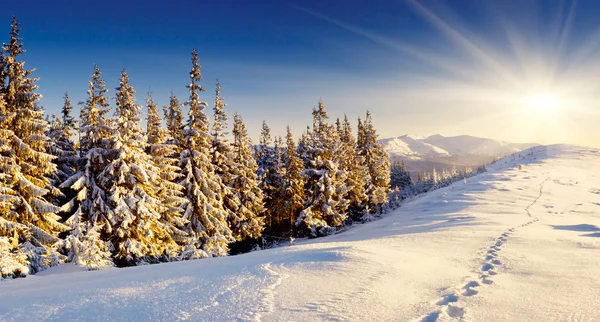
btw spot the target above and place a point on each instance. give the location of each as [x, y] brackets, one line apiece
[509, 245]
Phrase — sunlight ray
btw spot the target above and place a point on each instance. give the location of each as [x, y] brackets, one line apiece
[480, 53]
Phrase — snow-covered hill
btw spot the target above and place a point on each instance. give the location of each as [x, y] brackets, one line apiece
[417, 148]
[513, 244]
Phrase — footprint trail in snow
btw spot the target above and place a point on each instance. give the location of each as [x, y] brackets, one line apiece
[449, 302]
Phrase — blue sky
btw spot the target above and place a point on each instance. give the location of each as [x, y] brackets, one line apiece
[451, 67]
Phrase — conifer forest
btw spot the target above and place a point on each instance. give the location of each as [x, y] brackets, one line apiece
[94, 188]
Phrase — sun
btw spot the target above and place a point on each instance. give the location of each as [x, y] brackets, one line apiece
[543, 102]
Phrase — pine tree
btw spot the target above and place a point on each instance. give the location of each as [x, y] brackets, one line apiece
[202, 186]
[356, 172]
[222, 159]
[277, 172]
[400, 181]
[377, 163]
[29, 221]
[154, 131]
[270, 172]
[132, 183]
[293, 183]
[174, 120]
[435, 179]
[304, 145]
[325, 182]
[90, 219]
[63, 148]
[454, 172]
[264, 152]
[95, 130]
[170, 194]
[13, 259]
[399, 176]
[249, 222]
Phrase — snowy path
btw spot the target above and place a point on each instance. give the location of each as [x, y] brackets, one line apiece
[510, 245]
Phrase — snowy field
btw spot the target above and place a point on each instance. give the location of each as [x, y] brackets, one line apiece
[509, 245]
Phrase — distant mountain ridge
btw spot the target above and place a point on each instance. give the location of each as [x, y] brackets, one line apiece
[414, 147]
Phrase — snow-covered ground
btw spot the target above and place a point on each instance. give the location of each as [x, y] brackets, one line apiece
[509, 245]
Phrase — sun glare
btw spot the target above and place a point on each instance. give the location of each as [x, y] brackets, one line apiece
[543, 102]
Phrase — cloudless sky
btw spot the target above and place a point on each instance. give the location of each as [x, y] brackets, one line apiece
[451, 67]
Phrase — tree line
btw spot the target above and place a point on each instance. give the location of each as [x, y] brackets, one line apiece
[121, 195]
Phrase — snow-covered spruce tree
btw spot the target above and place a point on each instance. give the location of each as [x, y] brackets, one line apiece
[169, 192]
[249, 222]
[293, 183]
[399, 176]
[276, 174]
[95, 129]
[63, 142]
[270, 172]
[90, 219]
[203, 188]
[325, 183]
[356, 172]
[222, 158]
[13, 262]
[435, 179]
[28, 221]
[174, 122]
[132, 182]
[63, 148]
[400, 184]
[377, 162]
[304, 145]
[264, 151]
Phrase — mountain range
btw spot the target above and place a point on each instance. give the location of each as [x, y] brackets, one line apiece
[423, 154]
[413, 147]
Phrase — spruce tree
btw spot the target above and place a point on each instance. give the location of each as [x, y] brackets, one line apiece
[249, 222]
[90, 218]
[399, 176]
[154, 131]
[222, 159]
[277, 172]
[132, 183]
[29, 220]
[400, 181]
[377, 163]
[174, 120]
[356, 172]
[170, 194]
[325, 182]
[270, 173]
[61, 130]
[293, 183]
[13, 259]
[203, 188]
[95, 130]
[435, 179]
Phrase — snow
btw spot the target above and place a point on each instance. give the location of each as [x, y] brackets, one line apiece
[416, 147]
[513, 244]
[411, 147]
